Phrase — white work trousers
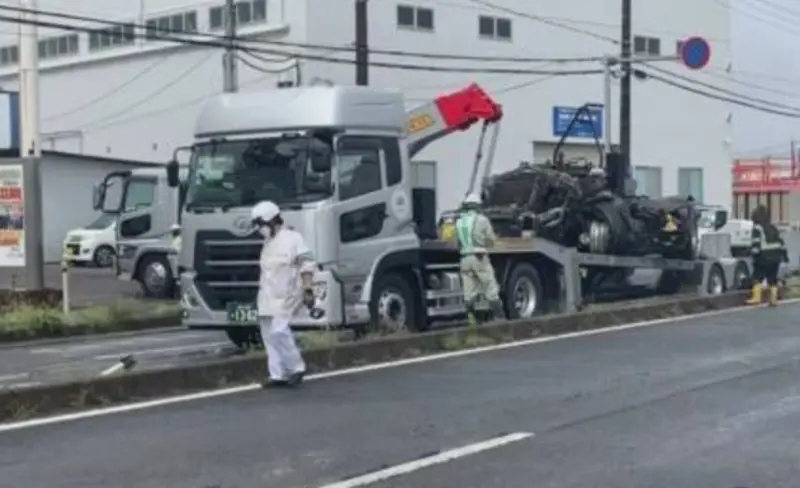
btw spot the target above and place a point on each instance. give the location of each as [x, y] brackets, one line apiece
[283, 356]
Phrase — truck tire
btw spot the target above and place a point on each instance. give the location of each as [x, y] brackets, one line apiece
[103, 257]
[524, 293]
[393, 307]
[244, 337]
[154, 274]
[716, 280]
[741, 277]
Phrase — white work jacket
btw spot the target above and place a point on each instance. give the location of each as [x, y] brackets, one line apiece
[283, 258]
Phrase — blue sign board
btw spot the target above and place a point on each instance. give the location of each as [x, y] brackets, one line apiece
[589, 124]
[695, 52]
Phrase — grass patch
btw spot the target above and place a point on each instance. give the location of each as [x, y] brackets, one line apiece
[28, 321]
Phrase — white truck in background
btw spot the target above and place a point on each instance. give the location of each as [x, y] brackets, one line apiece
[145, 214]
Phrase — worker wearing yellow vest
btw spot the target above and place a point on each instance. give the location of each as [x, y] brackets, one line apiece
[769, 251]
[475, 236]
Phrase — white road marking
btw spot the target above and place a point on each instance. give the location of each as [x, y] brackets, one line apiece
[19, 386]
[12, 377]
[145, 352]
[123, 343]
[132, 407]
[426, 462]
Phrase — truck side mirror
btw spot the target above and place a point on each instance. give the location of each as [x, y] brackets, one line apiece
[720, 219]
[173, 176]
[99, 196]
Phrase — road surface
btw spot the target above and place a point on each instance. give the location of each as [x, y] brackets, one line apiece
[88, 286]
[709, 402]
[47, 362]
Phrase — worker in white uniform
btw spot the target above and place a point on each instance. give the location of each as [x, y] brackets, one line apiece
[475, 236]
[285, 284]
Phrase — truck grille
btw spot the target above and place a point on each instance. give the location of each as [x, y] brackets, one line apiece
[227, 267]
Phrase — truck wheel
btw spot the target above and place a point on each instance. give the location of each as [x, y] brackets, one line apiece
[393, 307]
[524, 293]
[103, 257]
[741, 277]
[155, 277]
[716, 280]
[244, 337]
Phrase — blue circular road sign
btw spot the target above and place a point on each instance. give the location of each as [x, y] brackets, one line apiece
[695, 52]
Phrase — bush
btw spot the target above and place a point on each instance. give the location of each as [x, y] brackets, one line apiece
[32, 321]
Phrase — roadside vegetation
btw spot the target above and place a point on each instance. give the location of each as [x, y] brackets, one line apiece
[31, 320]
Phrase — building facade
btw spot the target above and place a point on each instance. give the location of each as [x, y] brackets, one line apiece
[115, 94]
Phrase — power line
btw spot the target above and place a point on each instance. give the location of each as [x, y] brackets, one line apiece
[723, 90]
[325, 59]
[722, 98]
[347, 49]
[110, 93]
[151, 95]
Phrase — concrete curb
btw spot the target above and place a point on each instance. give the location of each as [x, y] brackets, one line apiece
[128, 387]
[79, 330]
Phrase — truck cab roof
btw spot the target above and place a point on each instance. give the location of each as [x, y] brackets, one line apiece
[288, 109]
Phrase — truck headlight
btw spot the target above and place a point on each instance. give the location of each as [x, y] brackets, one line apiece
[321, 291]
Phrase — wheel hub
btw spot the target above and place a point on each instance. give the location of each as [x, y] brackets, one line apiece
[155, 276]
[716, 284]
[392, 310]
[525, 297]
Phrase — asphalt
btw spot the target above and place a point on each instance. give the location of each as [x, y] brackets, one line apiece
[88, 286]
[703, 402]
[47, 362]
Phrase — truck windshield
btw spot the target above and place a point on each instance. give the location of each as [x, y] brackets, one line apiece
[244, 172]
[706, 220]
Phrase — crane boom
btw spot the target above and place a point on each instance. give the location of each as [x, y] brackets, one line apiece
[449, 113]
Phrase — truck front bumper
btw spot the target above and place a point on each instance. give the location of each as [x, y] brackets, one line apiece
[331, 310]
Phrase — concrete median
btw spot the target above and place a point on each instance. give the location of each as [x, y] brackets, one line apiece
[138, 386]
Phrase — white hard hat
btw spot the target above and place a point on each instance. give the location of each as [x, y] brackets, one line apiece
[175, 227]
[265, 211]
[472, 198]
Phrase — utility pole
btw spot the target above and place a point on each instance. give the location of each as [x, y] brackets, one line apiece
[230, 75]
[362, 43]
[30, 150]
[625, 87]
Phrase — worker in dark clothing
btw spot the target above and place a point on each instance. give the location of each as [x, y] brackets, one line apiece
[769, 251]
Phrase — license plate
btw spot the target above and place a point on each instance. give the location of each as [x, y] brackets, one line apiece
[242, 313]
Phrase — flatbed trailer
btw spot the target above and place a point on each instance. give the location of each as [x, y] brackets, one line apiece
[537, 276]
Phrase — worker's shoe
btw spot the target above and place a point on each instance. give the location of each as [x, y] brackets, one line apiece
[755, 296]
[773, 296]
[272, 383]
[296, 379]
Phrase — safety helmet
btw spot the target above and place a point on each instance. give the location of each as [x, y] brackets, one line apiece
[264, 211]
[472, 199]
[175, 228]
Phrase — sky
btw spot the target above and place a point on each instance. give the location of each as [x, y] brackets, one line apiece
[765, 38]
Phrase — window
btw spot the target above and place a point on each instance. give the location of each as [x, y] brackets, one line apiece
[415, 17]
[359, 167]
[647, 45]
[648, 181]
[690, 183]
[140, 193]
[247, 12]
[117, 36]
[58, 47]
[494, 28]
[161, 27]
[394, 163]
[9, 55]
